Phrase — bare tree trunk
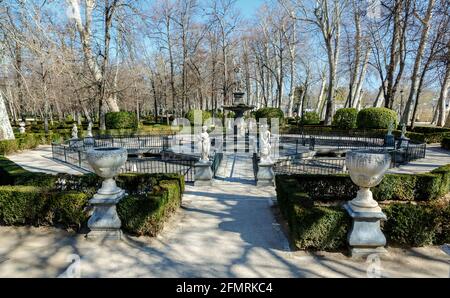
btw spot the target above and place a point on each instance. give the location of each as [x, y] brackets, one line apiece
[441, 119]
[6, 132]
[414, 77]
[379, 100]
[321, 92]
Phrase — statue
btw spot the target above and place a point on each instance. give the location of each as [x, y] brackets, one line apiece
[74, 132]
[390, 128]
[264, 144]
[204, 144]
[22, 127]
[89, 130]
[403, 131]
[238, 79]
[241, 126]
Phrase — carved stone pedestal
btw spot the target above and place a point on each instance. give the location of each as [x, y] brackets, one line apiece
[265, 176]
[365, 237]
[105, 222]
[203, 174]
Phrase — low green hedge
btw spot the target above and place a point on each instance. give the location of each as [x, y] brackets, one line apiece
[41, 199]
[345, 118]
[145, 214]
[28, 141]
[121, 120]
[205, 115]
[445, 143]
[371, 118]
[394, 187]
[310, 118]
[315, 225]
[33, 205]
[269, 113]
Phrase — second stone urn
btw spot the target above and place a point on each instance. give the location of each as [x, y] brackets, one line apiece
[105, 222]
[366, 169]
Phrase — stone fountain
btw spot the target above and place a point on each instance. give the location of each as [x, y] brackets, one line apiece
[366, 169]
[239, 107]
[105, 222]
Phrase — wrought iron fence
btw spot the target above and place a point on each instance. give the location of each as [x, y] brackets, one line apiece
[329, 165]
[153, 165]
[76, 156]
[217, 160]
[415, 151]
[255, 161]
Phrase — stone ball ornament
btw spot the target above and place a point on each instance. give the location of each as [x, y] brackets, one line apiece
[367, 169]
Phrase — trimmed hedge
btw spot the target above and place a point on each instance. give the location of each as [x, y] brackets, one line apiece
[445, 143]
[393, 187]
[345, 118]
[33, 205]
[205, 115]
[28, 141]
[310, 118]
[40, 199]
[121, 120]
[146, 214]
[269, 113]
[317, 226]
[376, 118]
[311, 227]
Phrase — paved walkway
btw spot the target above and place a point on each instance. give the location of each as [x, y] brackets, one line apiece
[228, 230]
[435, 157]
[40, 160]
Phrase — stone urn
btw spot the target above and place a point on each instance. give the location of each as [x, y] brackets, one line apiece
[104, 222]
[367, 169]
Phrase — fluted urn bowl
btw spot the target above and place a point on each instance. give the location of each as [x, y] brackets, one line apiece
[366, 169]
[106, 162]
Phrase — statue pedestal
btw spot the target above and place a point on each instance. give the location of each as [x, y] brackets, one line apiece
[265, 175]
[365, 237]
[203, 174]
[404, 141]
[389, 141]
[105, 222]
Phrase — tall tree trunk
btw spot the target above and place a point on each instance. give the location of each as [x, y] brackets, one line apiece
[443, 96]
[414, 77]
[6, 132]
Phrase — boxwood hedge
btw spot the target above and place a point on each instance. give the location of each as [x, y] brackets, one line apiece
[121, 120]
[371, 118]
[345, 118]
[416, 210]
[40, 199]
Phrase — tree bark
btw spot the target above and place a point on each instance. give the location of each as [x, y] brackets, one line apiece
[6, 132]
[414, 77]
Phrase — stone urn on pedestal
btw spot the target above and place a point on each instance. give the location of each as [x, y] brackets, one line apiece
[366, 169]
[105, 222]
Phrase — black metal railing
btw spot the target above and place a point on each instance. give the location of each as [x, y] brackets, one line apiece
[152, 165]
[323, 166]
[255, 161]
[217, 160]
[76, 157]
[415, 151]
